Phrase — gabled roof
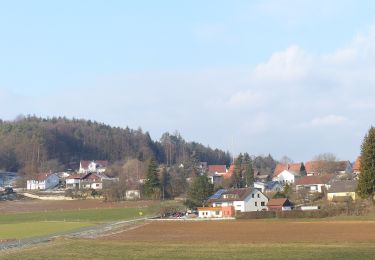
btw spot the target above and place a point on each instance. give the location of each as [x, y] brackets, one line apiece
[229, 172]
[316, 166]
[311, 180]
[357, 164]
[343, 186]
[42, 176]
[292, 167]
[217, 168]
[278, 202]
[234, 195]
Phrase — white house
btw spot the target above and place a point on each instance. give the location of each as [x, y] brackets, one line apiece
[271, 186]
[43, 181]
[88, 181]
[243, 200]
[285, 176]
[313, 183]
[210, 212]
[92, 166]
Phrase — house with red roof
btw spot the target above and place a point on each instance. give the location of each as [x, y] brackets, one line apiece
[217, 169]
[287, 173]
[357, 166]
[98, 166]
[324, 167]
[42, 181]
[279, 204]
[314, 183]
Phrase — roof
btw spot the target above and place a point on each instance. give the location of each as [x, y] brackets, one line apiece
[316, 166]
[292, 167]
[311, 180]
[234, 195]
[279, 202]
[209, 209]
[42, 176]
[229, 172]
[85, 164]
[343, 186]
[217, 168]
[357, 164]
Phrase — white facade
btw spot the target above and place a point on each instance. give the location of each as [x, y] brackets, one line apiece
[255, 201]
[132, 194]
[50, 181]
[312, 187]
[285, 177]
[72, 183]
[210, 212]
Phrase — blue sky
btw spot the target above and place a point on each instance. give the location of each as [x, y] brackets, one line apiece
[289, 78]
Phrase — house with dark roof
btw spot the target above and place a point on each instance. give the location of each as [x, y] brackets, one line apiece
[243, 199]
[90, 180]
[342, 189]
[313, 183]
[42, 181]
[279, 204]
[98, 166]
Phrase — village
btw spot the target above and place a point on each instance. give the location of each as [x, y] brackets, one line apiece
[308, 186]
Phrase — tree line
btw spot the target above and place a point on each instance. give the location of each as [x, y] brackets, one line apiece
[31, 144]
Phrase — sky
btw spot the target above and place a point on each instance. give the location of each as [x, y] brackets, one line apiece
[294, 78]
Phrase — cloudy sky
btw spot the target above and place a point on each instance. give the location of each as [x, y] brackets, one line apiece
[293, 78]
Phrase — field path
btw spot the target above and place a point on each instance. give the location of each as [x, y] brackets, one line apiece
[86, 232]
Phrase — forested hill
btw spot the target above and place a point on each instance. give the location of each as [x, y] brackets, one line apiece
[31, 143]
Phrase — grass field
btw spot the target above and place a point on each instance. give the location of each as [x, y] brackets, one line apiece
[32, 229]
[26, 225]
[86, 215]
[88, 249]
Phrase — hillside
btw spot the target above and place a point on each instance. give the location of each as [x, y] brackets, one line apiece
[32, 143]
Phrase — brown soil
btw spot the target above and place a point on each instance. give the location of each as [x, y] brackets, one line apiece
[40, 205]
[251, 232]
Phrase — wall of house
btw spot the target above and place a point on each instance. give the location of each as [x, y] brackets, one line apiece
[284, 176]
[210, 213]
[330, 196]
[253, 202]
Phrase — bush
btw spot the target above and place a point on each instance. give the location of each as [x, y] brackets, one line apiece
[256, 215]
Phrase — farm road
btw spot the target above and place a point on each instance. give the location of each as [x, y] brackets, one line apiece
[86, 232]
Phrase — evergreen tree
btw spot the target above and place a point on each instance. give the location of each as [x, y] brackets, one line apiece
[199, 192]
[152, 184]
[165, 182]
[249, 171]
[366, 183]
[237, 177]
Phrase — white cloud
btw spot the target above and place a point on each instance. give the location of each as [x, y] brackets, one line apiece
[244, 99]
[328, 120]
[291, 64]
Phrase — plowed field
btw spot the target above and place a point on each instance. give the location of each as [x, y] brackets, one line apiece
[251, 232]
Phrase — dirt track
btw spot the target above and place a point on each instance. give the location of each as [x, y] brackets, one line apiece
[251, 232]
[39, 205]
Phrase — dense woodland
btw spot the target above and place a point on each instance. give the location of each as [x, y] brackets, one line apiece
[30, 144]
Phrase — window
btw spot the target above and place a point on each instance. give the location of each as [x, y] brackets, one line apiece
[252, 195]
[256, 203]
[258, 195]
[97, 185]
[217, 212]
[262, 203]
